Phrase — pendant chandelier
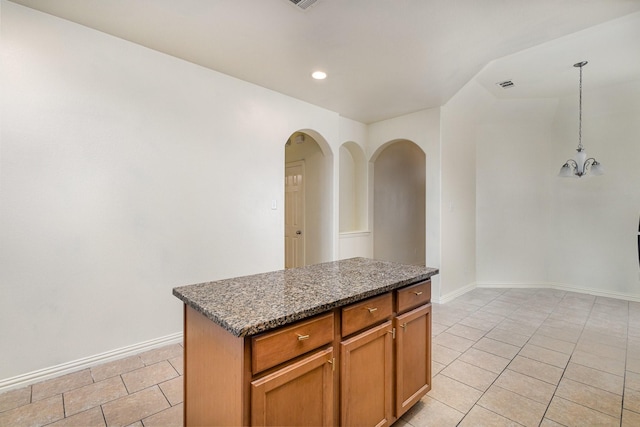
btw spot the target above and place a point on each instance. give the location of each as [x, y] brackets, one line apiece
[581, 165]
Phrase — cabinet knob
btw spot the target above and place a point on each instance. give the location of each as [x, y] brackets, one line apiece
[417, 292]
[372, 309]
[302, 337]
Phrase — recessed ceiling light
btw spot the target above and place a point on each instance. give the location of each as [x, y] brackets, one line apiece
[319, 75]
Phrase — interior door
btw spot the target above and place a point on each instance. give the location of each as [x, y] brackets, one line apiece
[294, 215]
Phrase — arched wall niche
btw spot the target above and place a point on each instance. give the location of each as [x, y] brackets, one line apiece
[399, 170]
[353, 188]
[312, 149]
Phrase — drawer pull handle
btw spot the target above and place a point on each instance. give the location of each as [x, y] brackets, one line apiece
[417, 293]
[371, 310]
[332, 362]
[302, 337]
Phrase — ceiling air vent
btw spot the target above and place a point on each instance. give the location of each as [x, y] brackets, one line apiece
[303, 4]
[505, 84]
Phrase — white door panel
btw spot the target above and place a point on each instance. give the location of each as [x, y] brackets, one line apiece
[294, 215]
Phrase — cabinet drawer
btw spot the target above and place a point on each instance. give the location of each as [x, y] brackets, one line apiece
[366, 313]
[414, 295]
[273, 348]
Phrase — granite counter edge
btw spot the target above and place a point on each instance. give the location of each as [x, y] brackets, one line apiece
[255, 328]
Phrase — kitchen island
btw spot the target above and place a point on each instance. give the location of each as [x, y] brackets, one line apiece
[339, 343]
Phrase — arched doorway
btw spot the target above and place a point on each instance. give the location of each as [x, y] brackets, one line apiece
[308, 199]
[399, 203]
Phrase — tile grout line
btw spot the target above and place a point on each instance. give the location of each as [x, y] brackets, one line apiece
[506, 317]
[104, 418]
[125, 384]
[568, 361]
[164, 394]
[624, 376]
[456, 358]
[498, 376]
[64, 409]
[626, 357]
[504, 369]
[563, 369]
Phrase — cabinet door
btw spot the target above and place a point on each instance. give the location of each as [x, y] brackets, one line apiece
[366, 378]
[300, 394]
[413, 357]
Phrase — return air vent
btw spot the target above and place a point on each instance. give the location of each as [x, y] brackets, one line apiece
[303, 4]
[505, 84]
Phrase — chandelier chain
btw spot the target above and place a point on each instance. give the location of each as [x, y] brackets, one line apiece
[580, 115]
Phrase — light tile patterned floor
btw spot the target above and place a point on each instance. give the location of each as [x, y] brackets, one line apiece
[533, 357]
[143, 390]
[501, 357]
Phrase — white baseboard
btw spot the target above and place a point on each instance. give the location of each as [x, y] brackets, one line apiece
[513, 285]
[455, 294]
[563, 287]
[87, 362]
[545, 285]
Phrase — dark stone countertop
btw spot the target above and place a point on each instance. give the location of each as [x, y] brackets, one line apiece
[252, 304]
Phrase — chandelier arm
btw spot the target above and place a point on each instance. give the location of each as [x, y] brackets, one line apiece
[589, 162]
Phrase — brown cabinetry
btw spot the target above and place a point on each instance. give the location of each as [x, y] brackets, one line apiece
[272, 348]
[413, 296]
[300, 394]
[363, 364]
[413, 357]
[360, 315]
[366, 378]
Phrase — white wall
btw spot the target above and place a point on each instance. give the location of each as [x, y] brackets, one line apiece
[356, 244]
[534, 228]
[399, 203]
[461, 119]
[353, 188]
[514, 172]
[357, 240]
[422, 128]
[349, 219]
[125, 172]
[595, 220]
[501, 153]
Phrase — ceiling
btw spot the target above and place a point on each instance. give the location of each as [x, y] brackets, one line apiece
[384, 58]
